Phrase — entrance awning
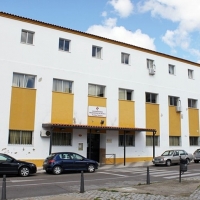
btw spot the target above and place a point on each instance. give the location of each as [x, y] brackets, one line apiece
[80, 126]
[51, 126]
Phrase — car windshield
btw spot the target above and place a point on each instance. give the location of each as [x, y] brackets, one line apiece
[167, 153]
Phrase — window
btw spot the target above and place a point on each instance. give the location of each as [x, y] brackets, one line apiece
[171, 69]
[20, 137]
[151, 97]
[27, 37]
[23, 80]
[130, 140]
[173, 101]
[194, 141]
[150, 64]
[192, 103]
[149, 140]
[96, 51]
[125, 58]
[174, 141]
[125, 94]
[64, 44]
[190, 74]
[96, 90]
[76, 156]
[61, 139]
[62, 86]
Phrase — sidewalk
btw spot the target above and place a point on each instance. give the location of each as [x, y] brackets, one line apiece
[188, 189]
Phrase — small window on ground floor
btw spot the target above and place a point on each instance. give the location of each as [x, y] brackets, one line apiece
[149, 140]
[62, 139]
[20, 137]
[130, 140]
[174, 141]
[194, 141]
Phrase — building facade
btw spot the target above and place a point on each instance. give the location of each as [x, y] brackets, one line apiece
[78, 83]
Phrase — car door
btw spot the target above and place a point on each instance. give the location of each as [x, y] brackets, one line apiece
[66, 161]
[175, 158]
[8, 165]
[79, 162]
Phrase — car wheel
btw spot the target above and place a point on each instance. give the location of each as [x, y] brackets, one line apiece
[57, 170]
[24, 171]
[91, 168]
[168, 163]
[196, 161]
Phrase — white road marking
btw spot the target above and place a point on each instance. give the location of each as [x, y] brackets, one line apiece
[112, 174]
[16, 181]
[182, 175]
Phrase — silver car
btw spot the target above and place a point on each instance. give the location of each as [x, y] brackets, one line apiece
[196, 155]
[172, 157]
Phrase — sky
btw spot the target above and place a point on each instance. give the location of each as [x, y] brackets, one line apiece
[167, 26]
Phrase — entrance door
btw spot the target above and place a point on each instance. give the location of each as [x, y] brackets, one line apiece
[93, 148]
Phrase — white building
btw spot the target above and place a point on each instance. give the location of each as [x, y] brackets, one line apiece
[89, 93]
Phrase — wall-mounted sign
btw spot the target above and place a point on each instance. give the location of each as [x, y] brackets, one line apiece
[96, 111]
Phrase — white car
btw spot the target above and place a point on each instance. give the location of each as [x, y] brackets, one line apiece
[172, 157]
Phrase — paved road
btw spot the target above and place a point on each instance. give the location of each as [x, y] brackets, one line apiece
[95, 184]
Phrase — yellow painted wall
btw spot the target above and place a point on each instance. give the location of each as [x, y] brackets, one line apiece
[22, 109]
[126, 113]
[174, 122]
[96, 101]
[62, 108]
[127, 160]
[152, 118]
[193, 117]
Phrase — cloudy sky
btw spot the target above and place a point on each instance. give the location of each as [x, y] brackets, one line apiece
[167, 26]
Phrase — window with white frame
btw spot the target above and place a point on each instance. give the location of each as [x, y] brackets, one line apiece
[96, 90]
[64, 45]
[174, 141]
[150, 63]
[129, 141]
[173, 101]
[125, 58]
[23, 80]
[62, 86]
[61, 139]
[194, 141]
[151, 97]
[96, 52]
[20, 137]
[190, 73]
[171, 69]
[192, 103]
[27, 37]
[125, 94]
[149, 140]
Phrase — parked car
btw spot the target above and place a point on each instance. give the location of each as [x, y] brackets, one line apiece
[196, 155]
[172, 157]
[68, 161]
[10, 165]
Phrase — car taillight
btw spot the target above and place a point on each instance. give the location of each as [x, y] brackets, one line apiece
[51, 161]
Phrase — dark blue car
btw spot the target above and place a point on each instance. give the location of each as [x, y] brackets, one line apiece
[68, 161]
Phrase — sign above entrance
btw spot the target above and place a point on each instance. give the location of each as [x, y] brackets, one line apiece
[96, 111]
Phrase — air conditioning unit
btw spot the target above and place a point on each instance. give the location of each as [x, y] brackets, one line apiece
[45, 133]
[151, 71]
[178, 109]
